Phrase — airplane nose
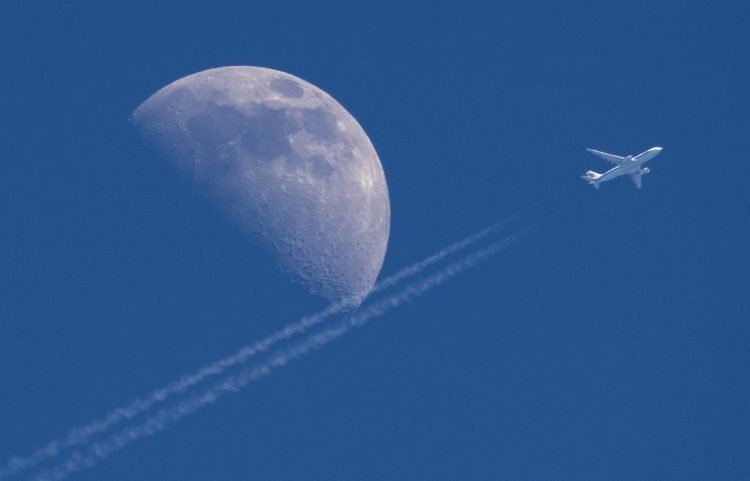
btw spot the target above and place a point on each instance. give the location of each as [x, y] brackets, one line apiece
[658, 149]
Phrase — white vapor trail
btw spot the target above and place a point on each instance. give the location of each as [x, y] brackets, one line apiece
[165, 417]
[418, 267]
[82, 434]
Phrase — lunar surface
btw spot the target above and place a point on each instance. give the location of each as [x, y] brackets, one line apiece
[286, 162]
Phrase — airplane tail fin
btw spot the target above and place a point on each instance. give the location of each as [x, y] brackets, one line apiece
[592, 178]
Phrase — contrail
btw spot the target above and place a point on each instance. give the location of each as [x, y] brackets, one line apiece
[418, 267]
[82, 434]
[100, 450]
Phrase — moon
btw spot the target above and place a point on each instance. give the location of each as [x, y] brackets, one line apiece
[287, 163]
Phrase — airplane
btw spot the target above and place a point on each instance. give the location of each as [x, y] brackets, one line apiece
[631, 165]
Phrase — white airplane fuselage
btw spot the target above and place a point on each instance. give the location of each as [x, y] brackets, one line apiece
[630, 165]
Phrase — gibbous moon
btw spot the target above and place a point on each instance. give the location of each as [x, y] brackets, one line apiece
[286, 162]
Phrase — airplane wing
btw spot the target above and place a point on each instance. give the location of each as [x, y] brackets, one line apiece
[636, 179]
[615, 159]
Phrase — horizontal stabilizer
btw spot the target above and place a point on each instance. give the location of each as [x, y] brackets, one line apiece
[592, 178]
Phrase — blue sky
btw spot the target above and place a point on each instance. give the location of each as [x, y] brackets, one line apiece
[610, 344]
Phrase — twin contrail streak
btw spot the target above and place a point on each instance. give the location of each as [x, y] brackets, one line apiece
[418, 267]
[82, 434]
[100, 450]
